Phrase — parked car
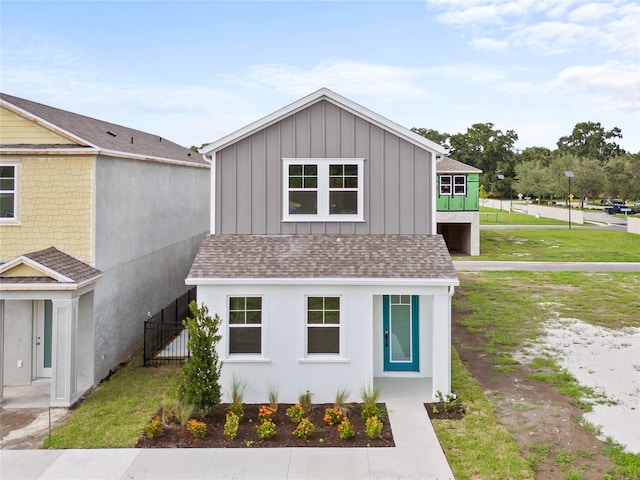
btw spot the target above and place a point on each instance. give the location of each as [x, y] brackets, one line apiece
[614, 202]
[620, 209]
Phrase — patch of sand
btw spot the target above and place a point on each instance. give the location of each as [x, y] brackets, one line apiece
[605, 360]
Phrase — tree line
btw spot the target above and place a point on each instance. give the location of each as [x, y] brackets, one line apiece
[601, 167]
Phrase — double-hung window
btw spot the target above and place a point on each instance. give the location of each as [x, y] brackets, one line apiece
[323, 189]
[245, 325]
[8, 192]
[445, 184]
[323, 325]
[459, 185]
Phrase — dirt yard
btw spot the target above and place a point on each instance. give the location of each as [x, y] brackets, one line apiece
[543, 423]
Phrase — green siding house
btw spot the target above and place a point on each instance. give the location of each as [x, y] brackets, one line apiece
[457, 205]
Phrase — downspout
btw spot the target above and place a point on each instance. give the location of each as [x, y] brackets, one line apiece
[213, 202]
[432, 212]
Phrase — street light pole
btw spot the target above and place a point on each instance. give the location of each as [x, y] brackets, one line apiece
[569, 174]
[501, 178]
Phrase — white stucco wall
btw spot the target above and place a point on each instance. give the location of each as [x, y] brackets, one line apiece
[633, 225]
[283, 362]
[577, 216]
[18, 341]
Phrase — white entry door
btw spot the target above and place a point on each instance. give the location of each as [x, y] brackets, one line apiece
[43, 338]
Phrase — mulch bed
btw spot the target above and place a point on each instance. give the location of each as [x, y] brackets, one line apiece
[438, 411]
[177, 436]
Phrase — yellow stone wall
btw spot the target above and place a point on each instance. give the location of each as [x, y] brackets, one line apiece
[55, 206]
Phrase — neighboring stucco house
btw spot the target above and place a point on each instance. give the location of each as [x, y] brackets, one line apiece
[323, 260]
[99, 224]
[457, 203]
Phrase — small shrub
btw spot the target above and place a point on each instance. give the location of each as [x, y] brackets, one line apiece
[273, 396]
[449, 401]
[304, 429]
[231, 425]
[153, 429]
[345, 429]
[265, 413]
[295, 413]
[332, 416]
[238, 410]
[305, 401]
[342, 395]
[184, 413]
[369, 397]
[238, 387]
[373, 427]
[169, 406]
[196, 428]
[266, 429]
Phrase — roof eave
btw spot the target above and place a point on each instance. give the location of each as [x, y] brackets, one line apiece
[412, 282]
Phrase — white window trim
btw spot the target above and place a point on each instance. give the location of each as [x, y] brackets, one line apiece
[323, 190]
[339, 357]
[450, 186]
[263, 356]
[463, 184]
[15, 220]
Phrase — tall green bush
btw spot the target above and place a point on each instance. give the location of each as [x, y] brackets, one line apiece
[199, 382]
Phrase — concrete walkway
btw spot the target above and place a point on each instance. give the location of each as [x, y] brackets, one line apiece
[417, 454]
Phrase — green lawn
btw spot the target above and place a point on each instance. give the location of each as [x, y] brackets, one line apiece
[114, 415]
[490, 216]
[558, 245]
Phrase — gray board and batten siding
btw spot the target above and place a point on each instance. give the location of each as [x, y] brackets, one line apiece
[397, 175]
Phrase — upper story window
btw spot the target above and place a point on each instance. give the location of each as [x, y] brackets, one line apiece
[459, 185]
[453, 184]
[323, 189]
[445, 184]
[245, 325]
[8, 193]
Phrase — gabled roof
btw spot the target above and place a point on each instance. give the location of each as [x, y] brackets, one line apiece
[108, 138]
[50, 268]
[449, 165]
[339, 258]
[332, 97]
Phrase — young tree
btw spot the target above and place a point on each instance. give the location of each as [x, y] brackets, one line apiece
[199, 382]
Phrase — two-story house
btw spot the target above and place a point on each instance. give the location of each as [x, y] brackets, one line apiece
[99, 225]
[457, 204]
[323, 260]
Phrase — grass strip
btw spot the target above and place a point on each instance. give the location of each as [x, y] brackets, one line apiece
[478, 446]
[558, 245]
[116, 412]
[490, 216]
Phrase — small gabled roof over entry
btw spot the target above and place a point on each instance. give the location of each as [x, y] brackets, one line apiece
[49, 268]
[332, 258]
[324, 94]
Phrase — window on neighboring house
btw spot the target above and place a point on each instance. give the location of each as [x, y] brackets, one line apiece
[8, 190]
[323, 325]
[323, 189]
[445, 184]
[245, 325]
[460, 185]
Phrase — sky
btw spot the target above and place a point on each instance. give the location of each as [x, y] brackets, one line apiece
[195, 71]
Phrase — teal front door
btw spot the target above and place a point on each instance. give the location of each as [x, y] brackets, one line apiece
[400, 333]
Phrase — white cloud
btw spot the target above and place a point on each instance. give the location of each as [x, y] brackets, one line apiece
[553, 37]
[591, 12]
[612, 86]
[344, 76]
[488, 44]
[471, 15]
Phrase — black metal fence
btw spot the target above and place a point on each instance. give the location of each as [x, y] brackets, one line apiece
[165, 338]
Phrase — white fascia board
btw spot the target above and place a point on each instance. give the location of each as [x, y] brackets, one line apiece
[338, 100]
[147, 158]
[46, 124]
[22, 260]
[49, 151]
[398, 282]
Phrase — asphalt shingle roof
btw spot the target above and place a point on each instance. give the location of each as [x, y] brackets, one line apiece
[449, 165]
[323, 256]
[64, 264]
[95, 131]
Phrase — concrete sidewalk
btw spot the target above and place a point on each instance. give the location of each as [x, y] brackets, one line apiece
[417, 455]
